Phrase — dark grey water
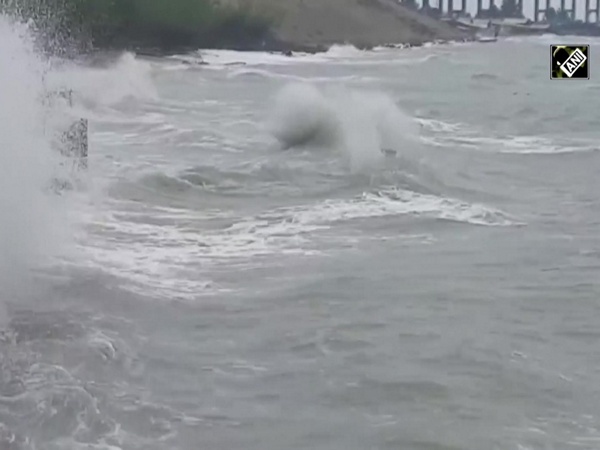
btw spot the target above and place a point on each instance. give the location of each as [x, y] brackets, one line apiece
[215, 292]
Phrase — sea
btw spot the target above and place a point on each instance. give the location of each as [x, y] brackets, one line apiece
[387, 249]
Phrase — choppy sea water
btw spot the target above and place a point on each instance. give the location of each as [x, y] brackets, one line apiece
[204, 288]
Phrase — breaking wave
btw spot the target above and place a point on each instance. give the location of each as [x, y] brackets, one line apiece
[109, 81]
[360, 125]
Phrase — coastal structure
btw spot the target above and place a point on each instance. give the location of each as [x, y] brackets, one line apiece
[439, 10]
[550, 16]
[75, 144]
[548, 10]
[542, 9]
[563, 21]
[70, 136]
[589, 11]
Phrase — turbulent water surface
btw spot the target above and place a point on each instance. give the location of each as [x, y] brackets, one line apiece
[243, 268]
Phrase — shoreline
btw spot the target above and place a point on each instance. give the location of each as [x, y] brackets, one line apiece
[278, 48]
[294, 26]
[102, 56]
[281, 26]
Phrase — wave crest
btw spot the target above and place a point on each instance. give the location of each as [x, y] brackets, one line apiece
[357, 124]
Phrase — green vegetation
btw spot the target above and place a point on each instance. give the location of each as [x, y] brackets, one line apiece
[161, 24]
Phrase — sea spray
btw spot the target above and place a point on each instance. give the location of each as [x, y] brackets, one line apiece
[31, 218]
[360, 125]
[117, 79]
[301, 116]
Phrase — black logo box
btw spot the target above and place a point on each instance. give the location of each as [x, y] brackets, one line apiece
[569, 55]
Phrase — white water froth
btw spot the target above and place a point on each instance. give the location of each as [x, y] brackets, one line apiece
[452, 135]
[33, 223]
[232, 57]
[550, 39]
[337, 54]
[248, 72]
[357, 124]
[167, 260]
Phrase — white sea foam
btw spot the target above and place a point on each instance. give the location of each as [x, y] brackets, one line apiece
[167, 261]
[457, 135]
[232, 57]
[337, 55]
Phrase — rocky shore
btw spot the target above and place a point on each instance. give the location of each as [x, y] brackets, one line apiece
[309, 26]
[151, 27]
[315, 25]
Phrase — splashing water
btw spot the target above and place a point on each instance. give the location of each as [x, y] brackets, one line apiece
[358, 124]
[31, 219]
[109, 82]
